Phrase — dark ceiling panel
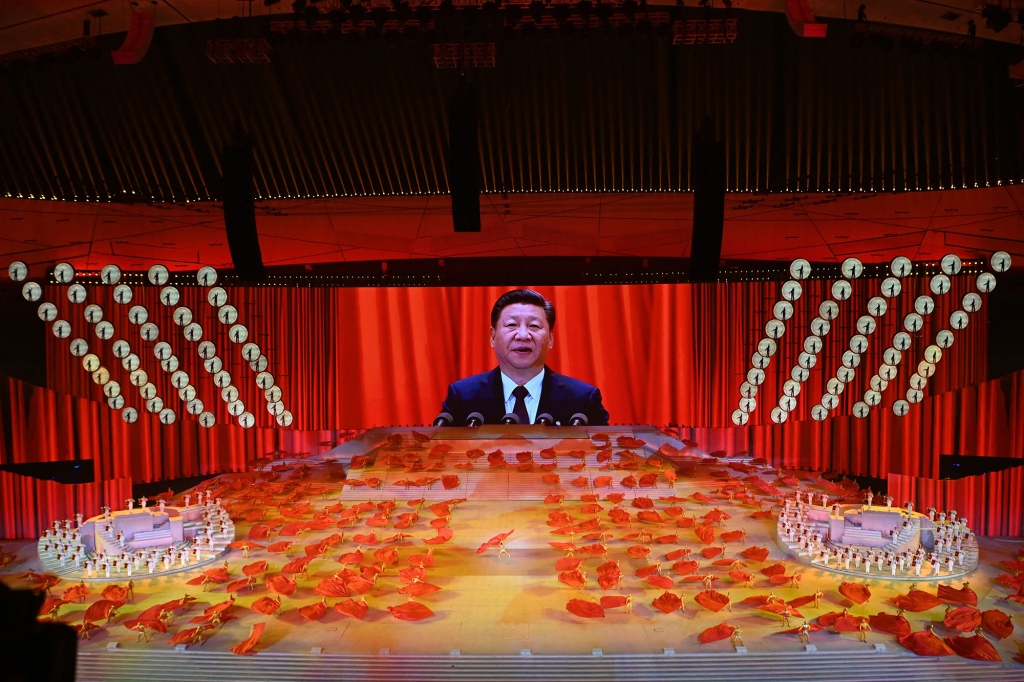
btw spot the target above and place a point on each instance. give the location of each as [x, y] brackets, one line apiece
[608, 112]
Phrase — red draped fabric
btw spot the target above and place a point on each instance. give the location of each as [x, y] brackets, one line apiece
[992, 503]
[986, 419]
[29, 505]
[59, 427]
[360, 357]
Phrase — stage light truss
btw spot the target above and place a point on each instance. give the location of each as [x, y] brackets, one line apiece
[465, 55]
[385, 20]
[238, 51]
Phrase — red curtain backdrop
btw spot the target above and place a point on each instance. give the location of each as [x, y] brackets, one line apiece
[992, 503]
[984, 420]
[50, 427]
[29, 505]
[362, 357]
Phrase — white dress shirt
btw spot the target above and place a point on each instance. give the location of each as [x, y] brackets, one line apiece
[532, 400]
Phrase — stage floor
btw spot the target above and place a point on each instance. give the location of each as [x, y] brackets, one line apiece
[491, 605]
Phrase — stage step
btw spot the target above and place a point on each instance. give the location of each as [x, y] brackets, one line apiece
[851, 534]
[837, 666]
[155, 534]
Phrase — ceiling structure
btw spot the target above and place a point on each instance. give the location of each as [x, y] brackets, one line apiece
[585, 144]
[613, 111]
[822, 228]
[25, 24]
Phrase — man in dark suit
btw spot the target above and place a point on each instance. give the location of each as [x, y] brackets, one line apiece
[522, 325]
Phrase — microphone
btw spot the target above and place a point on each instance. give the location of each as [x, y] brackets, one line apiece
[579, 419]
[510, 418]
[545, 419]
[474, 419]
[443, 419]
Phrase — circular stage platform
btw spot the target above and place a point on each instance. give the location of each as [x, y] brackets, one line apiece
[150, 541]
[870, 541]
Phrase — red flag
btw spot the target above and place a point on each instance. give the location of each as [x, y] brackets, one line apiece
[494, 542]
[101, 609]
[855, 592]
[719, 632]
[963, 618]
[975, 647]
[349, 607]
[964, 595]
[266, 605]
[997, 623]
[332, 587]
[685, 567]
[410, 610]
[443, 536]
[613, 601]
[572, 578]
[916, 601]
[925, 643]
[706, 534]
[712, 600]
[887, 622]
[282, 584]
[584, 609]
[667, 602]
[660, 581]
[314, 611]
[848, 623]
[755, 553]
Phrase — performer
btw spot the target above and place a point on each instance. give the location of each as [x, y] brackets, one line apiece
[522, 326]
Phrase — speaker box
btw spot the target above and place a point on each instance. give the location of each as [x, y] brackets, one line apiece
[708, 208]
[240, 212]
[137, 41]
[464, 160]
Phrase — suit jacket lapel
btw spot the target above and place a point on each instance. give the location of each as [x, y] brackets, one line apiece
[498, 398]
[546, 390]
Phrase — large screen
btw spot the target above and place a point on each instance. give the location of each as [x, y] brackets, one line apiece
[361, 357]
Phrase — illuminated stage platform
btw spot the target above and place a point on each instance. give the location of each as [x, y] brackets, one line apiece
[505, 617]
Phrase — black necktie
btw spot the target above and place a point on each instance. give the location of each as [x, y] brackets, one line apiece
[519, 409]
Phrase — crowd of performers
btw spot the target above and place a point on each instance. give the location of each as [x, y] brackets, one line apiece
[65, 544]
[952, 537]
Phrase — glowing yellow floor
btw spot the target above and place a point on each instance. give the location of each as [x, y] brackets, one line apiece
[501, 605]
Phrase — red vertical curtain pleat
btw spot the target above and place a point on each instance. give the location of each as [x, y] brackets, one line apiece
[983, 420]
[992, 502]
[29, 505]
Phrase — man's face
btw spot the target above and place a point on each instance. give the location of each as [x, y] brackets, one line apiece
[522, 338]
